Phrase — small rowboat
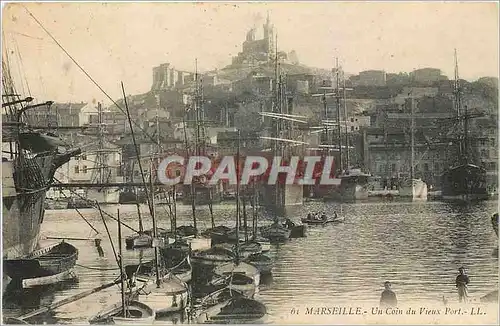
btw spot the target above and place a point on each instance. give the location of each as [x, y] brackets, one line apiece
[275, 232]
[235, 311]
[42, 267]
[212, 257]
[141, 240]
[171, 295]
[136, 313]
[322, 221]
[262, 262]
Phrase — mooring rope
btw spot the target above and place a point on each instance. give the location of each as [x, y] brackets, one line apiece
[98, 268]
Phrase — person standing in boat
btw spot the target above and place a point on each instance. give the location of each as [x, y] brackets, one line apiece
[388, 297]
[461, 283]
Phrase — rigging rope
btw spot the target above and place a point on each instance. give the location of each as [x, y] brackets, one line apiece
[90, 77]
[96, 207]
[98, 268]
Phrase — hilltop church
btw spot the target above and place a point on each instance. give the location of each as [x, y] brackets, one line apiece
[257, 51]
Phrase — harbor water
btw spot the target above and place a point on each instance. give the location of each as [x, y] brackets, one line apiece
[418, 247]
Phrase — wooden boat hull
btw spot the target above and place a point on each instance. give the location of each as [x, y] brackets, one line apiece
[235, 311]
[264, 244]
[141, 315]
[276, 234]
[212, 257]
[49, 261]
[322, 222]
[184, 275]
[241, 268]
[298, 231]
[47, 280]
[199, 243]
[172, 295]
[138, 241]
[263, 263]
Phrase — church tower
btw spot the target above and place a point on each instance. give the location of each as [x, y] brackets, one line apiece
[269, 37]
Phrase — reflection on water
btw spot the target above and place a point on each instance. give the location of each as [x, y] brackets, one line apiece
[417, 246]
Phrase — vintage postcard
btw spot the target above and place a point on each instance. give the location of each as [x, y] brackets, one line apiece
[250, 163]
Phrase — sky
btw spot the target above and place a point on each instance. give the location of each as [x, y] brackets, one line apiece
[117, 42]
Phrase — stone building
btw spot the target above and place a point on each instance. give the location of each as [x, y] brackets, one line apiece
[371, 78]
[167, 77]
[255, 51]
[427, 76]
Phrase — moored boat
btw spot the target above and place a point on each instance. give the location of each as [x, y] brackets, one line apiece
[321, 220]
[413, 189]
[176, 259]
[139, 240]
[239, 268]
[264, 243]
[235, 311]
[29, 162]
[212, 257]
[45, 266]
[171, 294]
[275, 232]
[136, 313]
[262, 262]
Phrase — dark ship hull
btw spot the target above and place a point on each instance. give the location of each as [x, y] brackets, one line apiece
[22, 209]
[464, 183]
[25, 181]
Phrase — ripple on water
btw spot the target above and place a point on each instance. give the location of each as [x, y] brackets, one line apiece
[417, 246]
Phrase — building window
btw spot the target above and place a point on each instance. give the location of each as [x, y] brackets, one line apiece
[84, 169]
[436, 166]
[417, 167]
[84, 157]
[352, 119]
[136, 173]
[77, 169]
[393, 167]
[426, 167]
[352, 128]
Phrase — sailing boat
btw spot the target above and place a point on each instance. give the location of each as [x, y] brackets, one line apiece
[127, 311]
[466, 181]
[412, 188]
[163, 294]
[104, 170]
[29, 161]
[176, 255]
[237, 267]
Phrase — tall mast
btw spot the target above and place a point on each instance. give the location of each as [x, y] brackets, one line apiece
[196, 147]
[338, 112]
[100, 150]
[345, 122]
[412, 136]
[458, 110]
[153, 217]
[122, 272]
[238, 200]
[276, 109]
